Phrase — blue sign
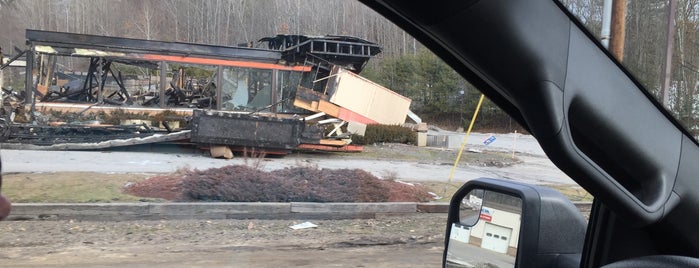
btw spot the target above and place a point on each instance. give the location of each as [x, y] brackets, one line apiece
[489, 140]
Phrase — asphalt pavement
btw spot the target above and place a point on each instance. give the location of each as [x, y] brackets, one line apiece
[535, 167]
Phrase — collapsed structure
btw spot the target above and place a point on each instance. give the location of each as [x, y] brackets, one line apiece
[283, 93]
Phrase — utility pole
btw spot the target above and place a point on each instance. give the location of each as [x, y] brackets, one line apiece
[668, 55]
[616, 44]
[606, 23]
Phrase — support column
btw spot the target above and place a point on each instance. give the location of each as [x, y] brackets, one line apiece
[163, 83]
[100, 80]
[219, 88]
[29, 83]
[275, 92]
[2, 80]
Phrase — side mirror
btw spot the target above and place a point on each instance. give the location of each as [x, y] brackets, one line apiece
[496, 223]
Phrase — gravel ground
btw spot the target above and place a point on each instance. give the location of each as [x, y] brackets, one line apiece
[407, 163]
[414, 240]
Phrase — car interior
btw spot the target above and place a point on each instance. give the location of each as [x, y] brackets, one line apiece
[593, 119]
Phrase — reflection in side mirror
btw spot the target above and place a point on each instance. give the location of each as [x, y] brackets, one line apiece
[512, 224]
[487, 233]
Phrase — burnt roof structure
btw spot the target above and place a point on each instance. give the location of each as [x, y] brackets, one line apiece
[347, 51]
[298, 53]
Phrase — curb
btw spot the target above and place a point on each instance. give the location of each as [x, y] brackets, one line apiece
[221, 210]
[205, 211]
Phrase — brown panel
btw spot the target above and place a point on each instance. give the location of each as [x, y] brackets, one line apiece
[329, 108]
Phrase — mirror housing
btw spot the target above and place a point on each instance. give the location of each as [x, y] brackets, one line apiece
[552, 230]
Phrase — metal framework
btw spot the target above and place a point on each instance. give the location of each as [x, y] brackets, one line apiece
[350, 52]
[313, 57]
[306, 54]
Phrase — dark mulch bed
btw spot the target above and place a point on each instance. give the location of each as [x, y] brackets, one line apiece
[240, 183]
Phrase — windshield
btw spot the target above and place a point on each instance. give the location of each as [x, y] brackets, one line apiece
[643, 47]
[183, 133]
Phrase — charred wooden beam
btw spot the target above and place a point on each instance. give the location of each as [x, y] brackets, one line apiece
[51, 135]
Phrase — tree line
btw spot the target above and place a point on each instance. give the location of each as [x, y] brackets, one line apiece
[645, 46]
[404, 66]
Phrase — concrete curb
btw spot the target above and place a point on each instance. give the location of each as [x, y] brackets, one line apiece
[217, 210]
[221, 210]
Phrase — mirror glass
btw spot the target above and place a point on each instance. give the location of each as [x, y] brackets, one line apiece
[487, 233]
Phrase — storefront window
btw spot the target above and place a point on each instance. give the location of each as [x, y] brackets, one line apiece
[245, 89]
[286, 86]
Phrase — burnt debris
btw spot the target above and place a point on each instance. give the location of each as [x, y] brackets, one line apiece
[281, 93]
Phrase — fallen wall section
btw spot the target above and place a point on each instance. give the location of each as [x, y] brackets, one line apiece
[366, 98]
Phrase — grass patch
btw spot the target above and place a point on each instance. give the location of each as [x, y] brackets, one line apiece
[69, 187]
[404, 152]
[86, 187]
[574, 193]
[438, 188]
[408, 154]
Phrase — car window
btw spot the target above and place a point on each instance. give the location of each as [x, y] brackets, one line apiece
[122, 117]
[645, 49]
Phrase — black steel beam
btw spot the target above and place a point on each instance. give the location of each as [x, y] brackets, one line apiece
[3, 66]
[131, 45]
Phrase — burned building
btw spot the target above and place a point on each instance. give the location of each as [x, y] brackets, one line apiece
[230, 78]
[232, 86]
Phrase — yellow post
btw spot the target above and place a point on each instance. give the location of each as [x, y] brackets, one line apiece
[463, 144]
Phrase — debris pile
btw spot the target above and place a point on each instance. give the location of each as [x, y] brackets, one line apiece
[239, 183]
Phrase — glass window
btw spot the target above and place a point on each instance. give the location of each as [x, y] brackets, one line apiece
[245, 89]
[286, 86]
[234, 89]
[259, 88]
